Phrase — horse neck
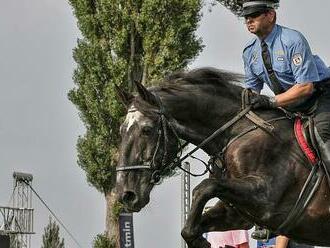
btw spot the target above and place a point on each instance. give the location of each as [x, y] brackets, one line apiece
[196, 114]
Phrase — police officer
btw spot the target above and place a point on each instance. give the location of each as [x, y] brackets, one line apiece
[281, 58]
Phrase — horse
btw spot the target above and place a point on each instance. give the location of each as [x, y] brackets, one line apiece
[261, 174]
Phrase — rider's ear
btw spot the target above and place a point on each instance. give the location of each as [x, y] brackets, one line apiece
[145, 93]
[125, 97]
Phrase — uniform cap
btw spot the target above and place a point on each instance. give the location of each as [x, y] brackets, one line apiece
[250, 7]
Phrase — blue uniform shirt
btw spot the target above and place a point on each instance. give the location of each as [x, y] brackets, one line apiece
[292, 60]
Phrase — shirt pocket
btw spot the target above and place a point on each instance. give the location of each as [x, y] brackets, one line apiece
[282, 67]
[283, 71]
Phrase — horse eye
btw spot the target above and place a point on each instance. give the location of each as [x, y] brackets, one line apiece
[146, 130]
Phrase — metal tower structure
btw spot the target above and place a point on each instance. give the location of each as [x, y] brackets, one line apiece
[185, 198]
[17, 219]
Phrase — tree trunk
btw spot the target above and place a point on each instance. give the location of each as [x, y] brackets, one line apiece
[112, 221]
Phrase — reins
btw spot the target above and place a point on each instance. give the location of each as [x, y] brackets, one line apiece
[177, 162]
[245, 112]
[162, 132]
[165, 123]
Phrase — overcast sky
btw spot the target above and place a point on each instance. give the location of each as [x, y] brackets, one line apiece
[39, 126]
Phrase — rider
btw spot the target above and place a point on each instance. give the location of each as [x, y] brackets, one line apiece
[281, 58]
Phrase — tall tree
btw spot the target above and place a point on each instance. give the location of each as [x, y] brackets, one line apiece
[51, 237]
[235, 6]
[123, 41]
[101, 241]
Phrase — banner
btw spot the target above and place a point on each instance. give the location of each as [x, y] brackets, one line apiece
[126, 230]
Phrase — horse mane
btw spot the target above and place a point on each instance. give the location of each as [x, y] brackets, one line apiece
[218, 80]
[202, 76]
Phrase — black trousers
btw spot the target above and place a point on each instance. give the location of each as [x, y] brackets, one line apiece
[322, 113]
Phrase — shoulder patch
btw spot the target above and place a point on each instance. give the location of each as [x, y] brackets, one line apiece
[297, 59]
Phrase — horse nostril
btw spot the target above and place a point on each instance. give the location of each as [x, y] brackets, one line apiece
[129, 197]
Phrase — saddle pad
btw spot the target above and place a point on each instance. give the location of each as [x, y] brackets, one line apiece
[307, 150]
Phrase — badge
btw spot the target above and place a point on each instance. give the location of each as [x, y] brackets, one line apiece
[297, 59]
[280, 58]
[280, 53]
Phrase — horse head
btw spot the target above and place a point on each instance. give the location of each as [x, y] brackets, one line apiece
[148, 145]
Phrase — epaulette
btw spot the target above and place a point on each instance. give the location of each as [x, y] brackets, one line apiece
[291, 36]
[250, 43]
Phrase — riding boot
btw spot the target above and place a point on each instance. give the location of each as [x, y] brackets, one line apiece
[262, 234]
[324, 148]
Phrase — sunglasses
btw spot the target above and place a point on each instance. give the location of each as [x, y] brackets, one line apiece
[255, 14]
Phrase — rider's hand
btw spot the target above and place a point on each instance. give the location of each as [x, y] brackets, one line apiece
[262, 102]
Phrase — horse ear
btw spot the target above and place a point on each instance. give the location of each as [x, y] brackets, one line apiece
[145, 93]
[125, 97]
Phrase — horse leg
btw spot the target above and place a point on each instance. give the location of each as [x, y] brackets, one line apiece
[248, 192]
[192, 232]
[223, 217]
[253, 192]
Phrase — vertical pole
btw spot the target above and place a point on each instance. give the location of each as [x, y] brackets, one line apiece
[185, 198]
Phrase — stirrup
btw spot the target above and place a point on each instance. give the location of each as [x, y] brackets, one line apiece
[261, 235]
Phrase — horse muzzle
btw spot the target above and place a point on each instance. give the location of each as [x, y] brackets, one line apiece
[131, 200]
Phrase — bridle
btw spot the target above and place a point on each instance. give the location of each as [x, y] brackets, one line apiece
[164, 125]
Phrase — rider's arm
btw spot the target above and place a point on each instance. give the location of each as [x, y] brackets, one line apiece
[251, 80]
[295, 93]
[304, 70]
[281, 242]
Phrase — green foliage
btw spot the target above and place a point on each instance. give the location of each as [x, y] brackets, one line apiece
[51, 236]
[116, 210]
[235, 6]
[123, 41]
[101, 241]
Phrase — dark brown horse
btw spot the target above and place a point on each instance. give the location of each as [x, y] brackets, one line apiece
[261, 176]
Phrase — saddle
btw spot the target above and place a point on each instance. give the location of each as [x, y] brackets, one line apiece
[308, 143]
[304, 133]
